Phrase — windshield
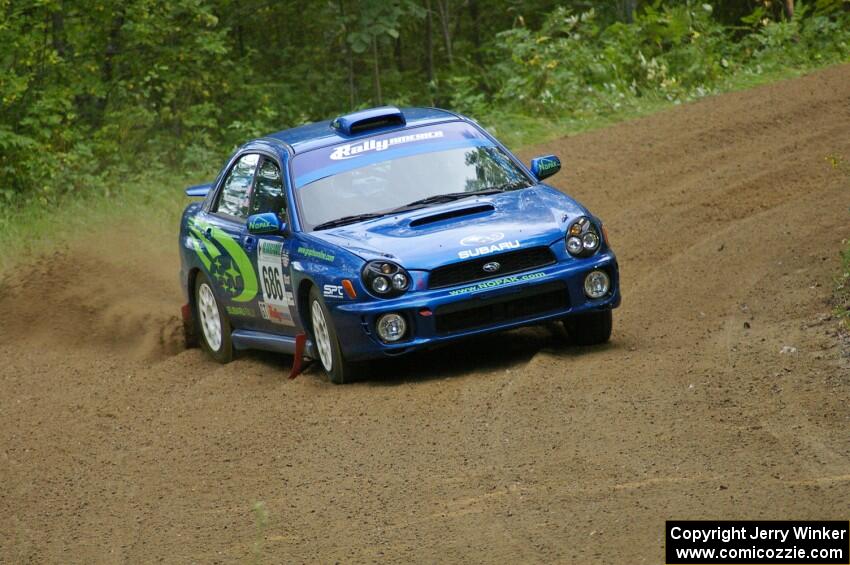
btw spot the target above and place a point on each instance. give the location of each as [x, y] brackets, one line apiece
[364, 179]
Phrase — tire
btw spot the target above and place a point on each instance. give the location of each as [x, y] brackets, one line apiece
[326, 341]
[212, 323]
[591, 328]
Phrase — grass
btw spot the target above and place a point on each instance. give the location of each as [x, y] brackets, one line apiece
[261, 522]
[154, 200]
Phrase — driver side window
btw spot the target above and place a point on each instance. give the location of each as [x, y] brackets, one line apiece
[233, 199]
[268, 191]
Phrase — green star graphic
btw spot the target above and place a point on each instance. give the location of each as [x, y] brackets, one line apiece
[232, 273]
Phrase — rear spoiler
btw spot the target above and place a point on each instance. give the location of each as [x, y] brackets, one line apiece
[199, 190]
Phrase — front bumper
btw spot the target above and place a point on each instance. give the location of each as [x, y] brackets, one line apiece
[448, 314]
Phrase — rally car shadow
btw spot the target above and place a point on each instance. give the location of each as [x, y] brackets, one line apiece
[472, 356]
[466, 358]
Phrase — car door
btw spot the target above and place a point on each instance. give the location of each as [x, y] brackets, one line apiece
[276, 302]
[228, 246]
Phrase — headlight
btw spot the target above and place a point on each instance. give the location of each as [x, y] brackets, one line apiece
[399, 281]
[582, 238]
[381, 285]
[385, 279]
[590, 241]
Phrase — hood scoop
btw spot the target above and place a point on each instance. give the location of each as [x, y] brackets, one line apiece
[451, 214]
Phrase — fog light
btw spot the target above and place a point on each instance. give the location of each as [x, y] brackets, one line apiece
[391, 327]
[597, 284]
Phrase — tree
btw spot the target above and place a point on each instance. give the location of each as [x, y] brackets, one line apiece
[378, 22]
[628, 8]
[445, 25]
[789, 9]
[429, 43]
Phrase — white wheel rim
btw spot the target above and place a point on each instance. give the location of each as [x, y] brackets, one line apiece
[320, 333]
[210, 319]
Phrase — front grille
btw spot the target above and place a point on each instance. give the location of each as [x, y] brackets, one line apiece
[472, 270]
[471, 314]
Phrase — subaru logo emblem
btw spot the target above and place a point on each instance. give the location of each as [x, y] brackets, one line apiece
[482, 239]
[491, 267]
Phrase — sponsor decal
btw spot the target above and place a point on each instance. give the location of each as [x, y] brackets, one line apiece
[546, 164]
[270, 247]
[274, 314]
[485, 239]
[496, 283]
[224, 259]
[316, 254]
[486, 249]
[332, 291]
[277, 305]
[261, 224]
[350, 150]
[243, 311]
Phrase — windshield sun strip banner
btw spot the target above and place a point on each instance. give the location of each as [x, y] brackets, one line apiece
[327, 161]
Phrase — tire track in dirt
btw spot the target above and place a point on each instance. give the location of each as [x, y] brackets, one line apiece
[117, 445]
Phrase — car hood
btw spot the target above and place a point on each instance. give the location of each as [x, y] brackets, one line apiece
[474, 227]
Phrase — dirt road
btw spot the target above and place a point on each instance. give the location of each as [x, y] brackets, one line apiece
[118, 446]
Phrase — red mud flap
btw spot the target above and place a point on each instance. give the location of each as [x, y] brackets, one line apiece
[298, 364]
[188, 326]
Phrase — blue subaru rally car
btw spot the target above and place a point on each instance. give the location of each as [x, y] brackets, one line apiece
[382, 232]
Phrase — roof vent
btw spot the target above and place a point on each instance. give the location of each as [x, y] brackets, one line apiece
[368, 120]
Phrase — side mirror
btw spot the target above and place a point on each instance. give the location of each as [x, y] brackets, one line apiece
[546, 166]
[199, 190]
[265, 223]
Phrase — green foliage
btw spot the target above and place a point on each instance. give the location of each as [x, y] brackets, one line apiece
[94, 91]
[574, 65]
[378, 21]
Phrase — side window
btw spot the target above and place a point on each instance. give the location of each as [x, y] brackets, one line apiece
[268, 192]
[233, 199]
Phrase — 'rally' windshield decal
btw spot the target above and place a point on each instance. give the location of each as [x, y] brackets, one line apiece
[350, 150]
[328, 161]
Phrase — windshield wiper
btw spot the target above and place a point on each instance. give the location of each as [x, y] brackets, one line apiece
[348, 220]
[436, 199]
[448, 197]
[512, 185]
